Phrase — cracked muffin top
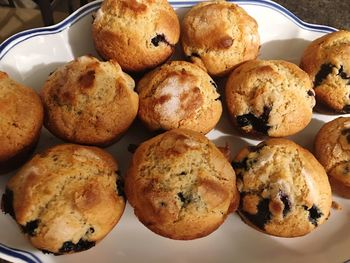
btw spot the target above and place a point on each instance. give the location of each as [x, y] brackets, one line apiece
[218, 36]
[89, 102]
[284, 189]
[270, 97]
[179, 94]
[21, 119]
[139, 34]
[327, 60]
[332, 149]
[66, 199]
[180, 185]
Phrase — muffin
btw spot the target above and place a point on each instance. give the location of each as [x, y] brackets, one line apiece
[180, 185]
[89, 102]
[269, 97]
[179, 95]
[327, 60]
[66, 199]
[284, 190]
[218, 36]
[332, 149]
[21, 119]
[138, 34]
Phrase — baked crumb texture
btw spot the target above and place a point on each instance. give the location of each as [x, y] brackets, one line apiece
[179, 94]
[218, 36]
[327, 60]
[180, 185]
[140, 34]
[332, 149]
[21, 119]
[66, 199]
[89, 102]
[284, 190]
[269, 97]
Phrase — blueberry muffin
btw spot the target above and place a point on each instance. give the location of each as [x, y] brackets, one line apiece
[66, 199]
[89, 102]
[270, 97]
[284, 190]
[218, 36]
[179, 95]
[138, 34]
[21, 119]
[180, 185]
[327, 60]
[332, 149]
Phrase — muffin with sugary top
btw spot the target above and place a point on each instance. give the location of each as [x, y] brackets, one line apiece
[139, 34]
[179, 95]
[21, 119]
[180, 185]
[89, 102]
[66, 199]
[218, 36]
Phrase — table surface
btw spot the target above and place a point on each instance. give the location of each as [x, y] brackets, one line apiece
[333, 13]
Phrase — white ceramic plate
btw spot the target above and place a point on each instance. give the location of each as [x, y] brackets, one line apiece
[30, 56]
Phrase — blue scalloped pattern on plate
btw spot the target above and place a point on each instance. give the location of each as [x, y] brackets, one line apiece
[20, 254]
[89, 8]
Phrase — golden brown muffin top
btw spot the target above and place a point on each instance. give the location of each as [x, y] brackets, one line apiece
[21, 117]
[89, 102]
[180, 185]
[219, 35]
[66, 194]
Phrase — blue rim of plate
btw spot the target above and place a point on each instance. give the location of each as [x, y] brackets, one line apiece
[19, 254]
[89, 8]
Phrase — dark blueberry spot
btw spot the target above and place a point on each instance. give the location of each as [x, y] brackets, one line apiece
[7, 203]
[183, 173]
[259, 123]
[195, 55]
[311, 93]
[132, 148]
[325, 70]
[162, 204]
[314, 214]
[120, 186]
[343, 74]
[214, 84]
[158, 39]
[82, 245]
[346, 109]
[262, 216]
[30, 227]
[245, 164]
[240, 165]
[286, 201]
[91, 230]
[184, 199]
